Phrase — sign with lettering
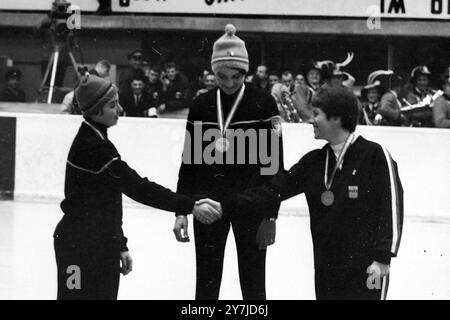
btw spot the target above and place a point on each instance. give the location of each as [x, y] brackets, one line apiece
[45, 5]
[408, 9]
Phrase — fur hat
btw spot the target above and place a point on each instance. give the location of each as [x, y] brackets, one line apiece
[94, 92]
[229, 51]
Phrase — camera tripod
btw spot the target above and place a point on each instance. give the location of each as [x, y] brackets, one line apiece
[53, 65]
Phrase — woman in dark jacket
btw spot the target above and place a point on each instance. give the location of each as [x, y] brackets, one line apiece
[91, 249]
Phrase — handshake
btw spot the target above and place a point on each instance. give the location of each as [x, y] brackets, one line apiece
[206, 211]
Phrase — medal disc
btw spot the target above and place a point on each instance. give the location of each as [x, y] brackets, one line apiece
[222, 144]
[327, 198]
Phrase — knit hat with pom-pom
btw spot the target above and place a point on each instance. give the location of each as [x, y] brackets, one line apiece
[94, 92]
[229, 51]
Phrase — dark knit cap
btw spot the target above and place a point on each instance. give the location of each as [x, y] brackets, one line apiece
[94, 92]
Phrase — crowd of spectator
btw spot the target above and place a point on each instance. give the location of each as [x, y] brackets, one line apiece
[386, 98]
[147, 90]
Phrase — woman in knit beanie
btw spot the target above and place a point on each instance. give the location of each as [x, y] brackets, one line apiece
[90, 246]
[233, 107]
[93, 93]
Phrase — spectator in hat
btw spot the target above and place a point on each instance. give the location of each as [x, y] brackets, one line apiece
[337, 77]
[418, 91]
[317, 74]
[12, 91]
[313, 76]
[419, 86]
[441, 107]
[341, 78]
[370, 95]
[177, 92]
[133, 70]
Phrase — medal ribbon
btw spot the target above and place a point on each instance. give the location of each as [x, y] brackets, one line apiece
[339, 161]
[223, 128]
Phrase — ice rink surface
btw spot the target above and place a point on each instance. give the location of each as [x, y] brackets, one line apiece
[165, 269]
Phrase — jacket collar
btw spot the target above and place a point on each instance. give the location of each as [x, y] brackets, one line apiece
[100, 129]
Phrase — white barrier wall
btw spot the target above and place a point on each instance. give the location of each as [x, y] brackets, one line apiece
[154, 146]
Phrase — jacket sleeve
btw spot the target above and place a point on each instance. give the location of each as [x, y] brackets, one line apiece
[389, 192]
[441, 117]
[187, 172]
[388, 107]
[146, 192]
[275, 147]
[257, 200]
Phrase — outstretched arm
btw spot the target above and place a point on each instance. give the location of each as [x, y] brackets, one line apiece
[147, 192]
[258, 200]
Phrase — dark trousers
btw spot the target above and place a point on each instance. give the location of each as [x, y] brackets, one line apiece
[87, 271]
[210, 243]
[348, 284]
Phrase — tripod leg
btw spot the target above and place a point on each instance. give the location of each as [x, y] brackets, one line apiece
[52, 79]
[47, 71]
[74, 64]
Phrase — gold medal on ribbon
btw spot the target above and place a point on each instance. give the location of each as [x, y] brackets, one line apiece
[327, 197]
[222, 144]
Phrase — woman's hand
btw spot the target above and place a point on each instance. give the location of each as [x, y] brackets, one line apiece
[126, 263]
